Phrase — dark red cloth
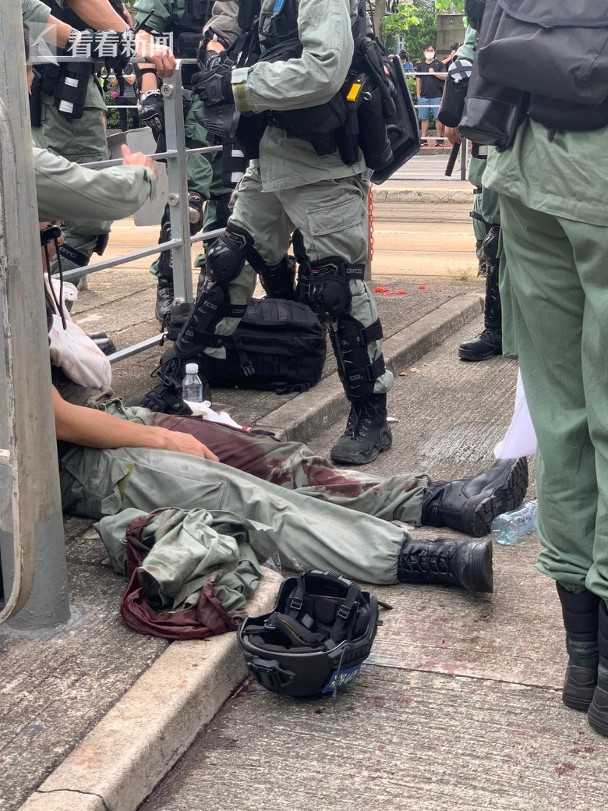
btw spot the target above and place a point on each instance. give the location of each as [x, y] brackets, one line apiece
[207, 618]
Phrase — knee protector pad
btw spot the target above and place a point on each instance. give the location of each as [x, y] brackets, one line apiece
[277, 280]
[325, 285]
[491, 243]
[350, 342]
[226, 257]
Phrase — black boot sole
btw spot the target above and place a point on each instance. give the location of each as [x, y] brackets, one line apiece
[579, 687]
[479, 574]
[597, 715]
[473, 357]
[386, 443]
[478, 518]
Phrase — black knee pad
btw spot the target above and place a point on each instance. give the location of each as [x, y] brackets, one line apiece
[226, 257]
[325, 285]
[350, 342]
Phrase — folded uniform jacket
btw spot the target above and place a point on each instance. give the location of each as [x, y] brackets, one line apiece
[190, 574]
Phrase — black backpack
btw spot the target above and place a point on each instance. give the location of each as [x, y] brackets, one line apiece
[552, 48]
[278, 346]
[544, 58]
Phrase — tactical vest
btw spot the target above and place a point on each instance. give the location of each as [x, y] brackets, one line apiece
[372, 113]
[188, 28]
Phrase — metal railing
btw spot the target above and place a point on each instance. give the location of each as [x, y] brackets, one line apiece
[181, 241]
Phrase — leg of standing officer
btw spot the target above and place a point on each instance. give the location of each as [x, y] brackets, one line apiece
[258, 231]
[202, 171]
[333, 243]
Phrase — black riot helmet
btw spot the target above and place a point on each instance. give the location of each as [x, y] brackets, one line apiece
[473, 10]
[314, 642]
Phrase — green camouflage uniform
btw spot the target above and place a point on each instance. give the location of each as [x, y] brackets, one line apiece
[555, 235]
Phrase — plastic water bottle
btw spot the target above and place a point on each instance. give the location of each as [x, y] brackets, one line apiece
[192, 389]
[509, 528]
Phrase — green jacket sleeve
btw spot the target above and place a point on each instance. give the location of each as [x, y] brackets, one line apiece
[35, 12]
[162, 13]
[67, 191]
[469, 47]
[224, 21]
[312, 79]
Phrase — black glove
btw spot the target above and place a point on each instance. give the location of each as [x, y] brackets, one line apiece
[213, 83]
[151, 112]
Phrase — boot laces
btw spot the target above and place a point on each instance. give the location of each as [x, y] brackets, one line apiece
[433, 558]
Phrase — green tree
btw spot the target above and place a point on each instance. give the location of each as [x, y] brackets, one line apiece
[416, 22]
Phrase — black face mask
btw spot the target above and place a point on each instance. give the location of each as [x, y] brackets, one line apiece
[474, 12]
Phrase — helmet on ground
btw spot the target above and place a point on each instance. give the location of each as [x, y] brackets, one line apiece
[314, 642]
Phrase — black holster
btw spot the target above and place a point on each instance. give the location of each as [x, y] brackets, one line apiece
[68, 83]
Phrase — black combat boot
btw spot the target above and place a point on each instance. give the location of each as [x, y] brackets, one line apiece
[598, 711]
[470, 505]
[166, 396]
[447, 562]
[489, 343]
[367, 433]
[164, 291]
[580, 613]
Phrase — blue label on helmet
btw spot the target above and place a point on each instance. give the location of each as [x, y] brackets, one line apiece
[342, 678]
[278, 6]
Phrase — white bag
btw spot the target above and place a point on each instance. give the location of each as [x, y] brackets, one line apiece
[520, 439]
[79, 357]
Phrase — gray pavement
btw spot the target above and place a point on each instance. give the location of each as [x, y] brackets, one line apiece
[126, 311]
[459, 706]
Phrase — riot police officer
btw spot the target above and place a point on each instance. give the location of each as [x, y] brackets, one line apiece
[300, 187]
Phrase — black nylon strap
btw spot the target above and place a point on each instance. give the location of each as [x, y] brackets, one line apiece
[374, 332]
[72, 255]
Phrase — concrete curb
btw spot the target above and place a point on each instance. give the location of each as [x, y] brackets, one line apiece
[309, 413]
[131, 749]
[429, 196]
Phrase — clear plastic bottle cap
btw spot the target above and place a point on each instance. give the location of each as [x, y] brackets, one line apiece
[192, 368]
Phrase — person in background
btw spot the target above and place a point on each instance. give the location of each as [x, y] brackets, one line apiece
[429, 90]
[406, 62]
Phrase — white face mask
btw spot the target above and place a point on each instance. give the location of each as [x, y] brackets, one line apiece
[429, 55]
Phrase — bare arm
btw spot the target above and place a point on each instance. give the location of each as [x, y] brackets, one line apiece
[98, 14]
[96, 429]
[418, 85]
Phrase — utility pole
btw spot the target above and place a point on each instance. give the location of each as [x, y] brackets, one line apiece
[32, 545]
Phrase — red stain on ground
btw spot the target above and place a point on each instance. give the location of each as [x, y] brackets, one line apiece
[564, 768]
